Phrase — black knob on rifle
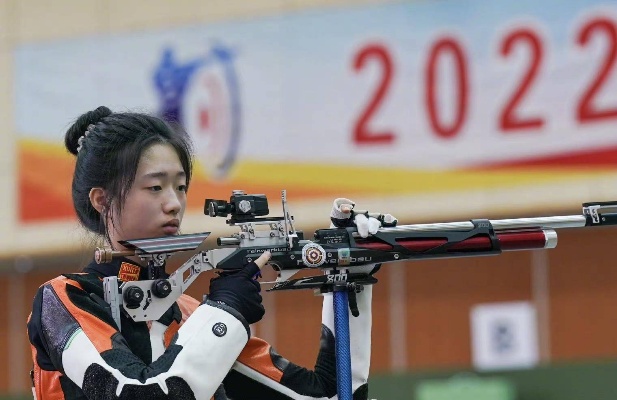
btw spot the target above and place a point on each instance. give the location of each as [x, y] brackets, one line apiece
[161, 288]
[133, 296]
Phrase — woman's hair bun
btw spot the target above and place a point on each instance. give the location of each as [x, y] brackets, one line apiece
[80, 126]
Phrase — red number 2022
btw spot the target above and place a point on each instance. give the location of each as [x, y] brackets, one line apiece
[509, 118]
[362, 133]
[444, 46]
[586, 112]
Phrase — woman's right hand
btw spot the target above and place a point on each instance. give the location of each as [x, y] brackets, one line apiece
[240, 290]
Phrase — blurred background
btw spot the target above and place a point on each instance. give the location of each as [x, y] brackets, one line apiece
[433, 111]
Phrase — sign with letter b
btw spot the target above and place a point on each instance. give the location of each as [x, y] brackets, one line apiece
[504, 336]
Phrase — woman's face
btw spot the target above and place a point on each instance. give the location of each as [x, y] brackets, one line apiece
[155, 204]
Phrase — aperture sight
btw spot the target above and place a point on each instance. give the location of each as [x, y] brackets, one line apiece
[241, 206]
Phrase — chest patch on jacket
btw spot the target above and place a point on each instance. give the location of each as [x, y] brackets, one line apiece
[128, 272]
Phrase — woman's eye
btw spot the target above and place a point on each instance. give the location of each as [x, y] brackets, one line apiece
[155, 188]
[182, 188]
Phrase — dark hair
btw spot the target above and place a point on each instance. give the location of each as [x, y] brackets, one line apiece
[108, 156]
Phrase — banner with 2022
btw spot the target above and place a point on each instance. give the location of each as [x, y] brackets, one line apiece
[500, 105]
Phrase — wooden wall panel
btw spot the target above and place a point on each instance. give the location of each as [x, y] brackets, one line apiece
[4, 335]
[441, 294]
[583, 285]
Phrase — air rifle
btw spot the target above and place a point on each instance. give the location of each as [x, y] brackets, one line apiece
[340, 253]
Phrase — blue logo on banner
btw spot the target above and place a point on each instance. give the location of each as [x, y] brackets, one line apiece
[203, 96]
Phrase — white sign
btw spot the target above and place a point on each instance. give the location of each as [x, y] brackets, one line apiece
[436, 86]
[421, 109]
[504, 336]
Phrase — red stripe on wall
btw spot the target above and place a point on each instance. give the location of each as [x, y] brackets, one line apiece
[587, 158]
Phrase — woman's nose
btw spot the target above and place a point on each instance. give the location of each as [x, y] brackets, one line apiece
[172, 204]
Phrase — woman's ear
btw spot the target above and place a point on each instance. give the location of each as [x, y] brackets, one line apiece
[98, 199]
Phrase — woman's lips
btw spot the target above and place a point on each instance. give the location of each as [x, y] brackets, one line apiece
[170, 229]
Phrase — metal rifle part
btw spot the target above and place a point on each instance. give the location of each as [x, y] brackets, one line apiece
[338, 252]
[594, 214]
[147, 300]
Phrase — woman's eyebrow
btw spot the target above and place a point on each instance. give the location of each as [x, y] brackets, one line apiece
[163, 174]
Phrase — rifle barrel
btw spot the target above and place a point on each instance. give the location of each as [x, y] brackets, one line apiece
[564, 221]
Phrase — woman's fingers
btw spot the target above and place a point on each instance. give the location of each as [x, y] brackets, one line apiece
[263, 259]
[346, 208]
